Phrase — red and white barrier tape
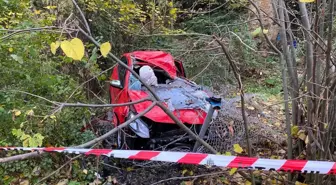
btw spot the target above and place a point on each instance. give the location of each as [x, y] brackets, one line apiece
[303, 166]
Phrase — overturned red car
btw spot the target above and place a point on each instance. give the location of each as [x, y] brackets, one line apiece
[188, 101]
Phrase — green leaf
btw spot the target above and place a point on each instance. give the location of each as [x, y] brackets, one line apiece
[228, 153]
[74, 183]
[37, 139]
[94, 55]
[256, 32]
[294, 130]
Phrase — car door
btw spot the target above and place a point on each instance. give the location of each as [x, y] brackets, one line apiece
[119, 89]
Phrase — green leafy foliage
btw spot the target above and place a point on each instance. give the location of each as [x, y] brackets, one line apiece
[28, 140]
[236, 4]
[27, 65]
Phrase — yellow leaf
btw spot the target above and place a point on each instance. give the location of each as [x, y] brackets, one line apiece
[256, 32]
[10, 49]
[299, 183]
[274, 157]
[54, 46]
[184, 171]
[129, 169]
[250, 107]
[50, 7]
[226, 182]
[52, 117]
[25, 142]
[37, 12]
[25, 182]
[16, 112]
[294, 130]
[232, 171]
[237, 148]
[228, 153]
[248, 183]
[265, 31]
[301, 134]
[188, 182]
[105, 48]
[173, 11]
[30, 112]
[73, 49]
[307, 1]
[277, 124]
[307, 140]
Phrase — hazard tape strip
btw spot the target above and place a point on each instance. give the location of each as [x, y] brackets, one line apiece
[302, 166]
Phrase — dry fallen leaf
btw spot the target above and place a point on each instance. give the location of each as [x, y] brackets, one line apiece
[232, 171]
[184, 171]
[25, 182]
[188, 182]
[248, 183]
[63, 182]
[300, 183]
[237, 148]
[301, 134]
[250, 107]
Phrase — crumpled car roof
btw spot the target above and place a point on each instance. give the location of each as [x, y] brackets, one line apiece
[160, 59]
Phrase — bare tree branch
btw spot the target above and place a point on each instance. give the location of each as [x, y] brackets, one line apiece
[87, 27]
[241, 89]
[47, 28]
[21, 157]
[103, 105]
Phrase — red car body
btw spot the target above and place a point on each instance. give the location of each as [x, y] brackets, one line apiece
[159, 61]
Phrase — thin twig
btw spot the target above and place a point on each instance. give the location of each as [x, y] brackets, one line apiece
[103, 105]
[87, 27]
[34, 95]
[58, 169]
[47, 28]
[106, 70]
[126, 123]
[241, 89]
[190, 177]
